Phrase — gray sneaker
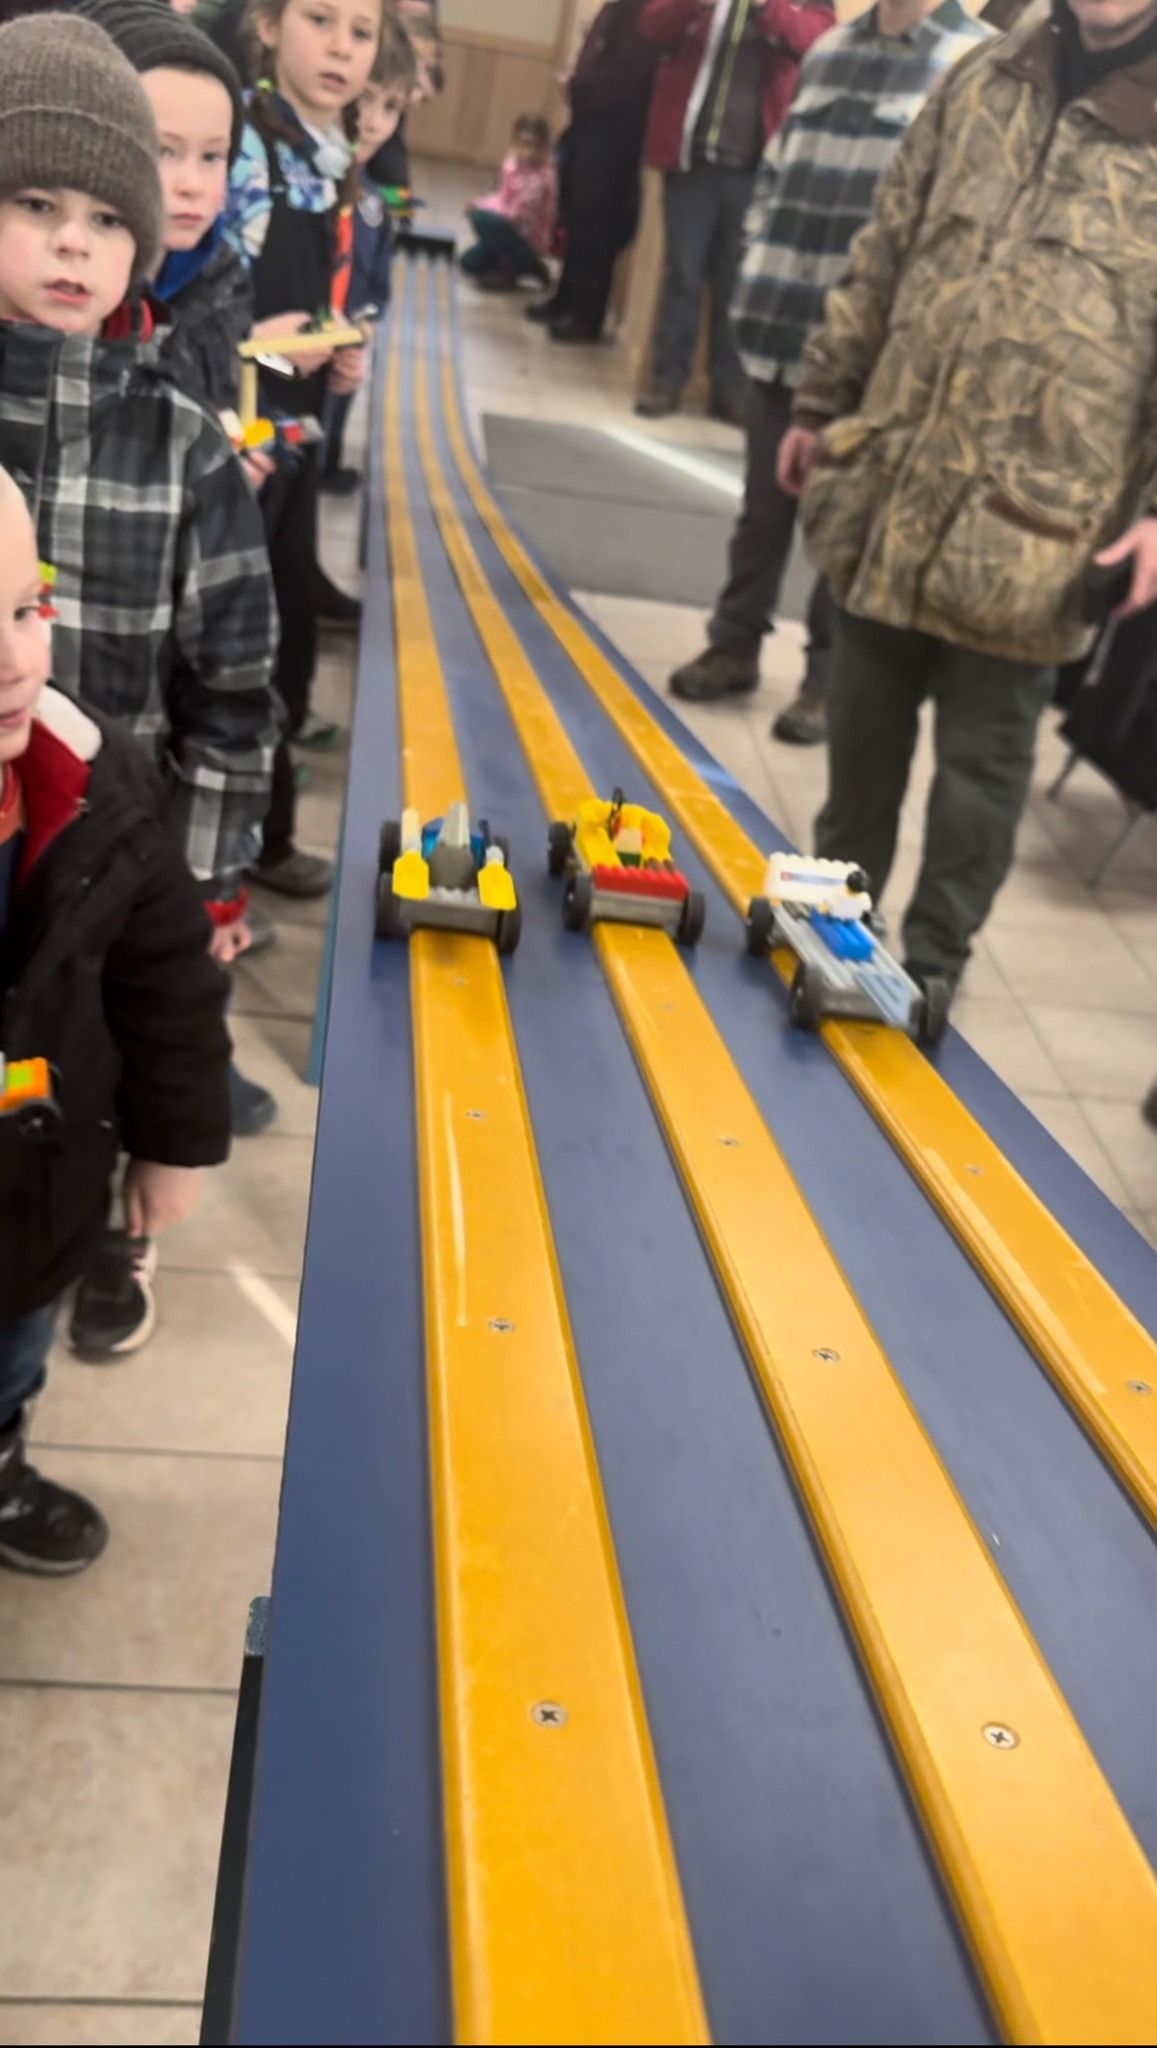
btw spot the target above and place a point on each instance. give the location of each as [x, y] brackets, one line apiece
[803, 722]
[717, 672]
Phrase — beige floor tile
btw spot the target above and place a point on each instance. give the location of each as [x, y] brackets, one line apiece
[1130, 1142]
[1062, 1116]
[1147, 1224]
[214, 1377]
[274, 1051]
[1003, 1036]
[116, 1800]
[282, 982]
[99, 2026]
[252, 1214]
[191, 1546]
[1098, 973]
[648, 631]
[1098, 1052]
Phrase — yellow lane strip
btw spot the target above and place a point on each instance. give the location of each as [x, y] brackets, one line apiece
[1058, 1900]
[1099, 1355]
[566, 1916]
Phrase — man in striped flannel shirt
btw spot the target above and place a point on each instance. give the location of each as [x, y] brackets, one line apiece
[860, 89]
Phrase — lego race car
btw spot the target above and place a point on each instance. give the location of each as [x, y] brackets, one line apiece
[27, 1097]
[822, 910]
[617, 860]
[444, 876]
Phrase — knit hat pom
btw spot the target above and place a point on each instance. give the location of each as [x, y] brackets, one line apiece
[75, 117]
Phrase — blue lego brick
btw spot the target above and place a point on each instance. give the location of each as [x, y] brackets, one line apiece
[847, 940]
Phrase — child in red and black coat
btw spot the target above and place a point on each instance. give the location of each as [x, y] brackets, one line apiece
[105, 977]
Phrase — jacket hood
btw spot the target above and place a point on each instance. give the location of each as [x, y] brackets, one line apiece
[55, 771]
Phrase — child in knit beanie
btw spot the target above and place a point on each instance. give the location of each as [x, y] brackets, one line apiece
[162, 586]
[78, 160]
[201, 293]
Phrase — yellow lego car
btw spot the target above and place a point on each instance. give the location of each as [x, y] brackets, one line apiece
[616, 857]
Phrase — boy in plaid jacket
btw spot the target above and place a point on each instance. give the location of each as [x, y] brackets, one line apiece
[163, 595]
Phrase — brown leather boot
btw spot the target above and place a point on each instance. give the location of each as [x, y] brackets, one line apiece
[717, 672]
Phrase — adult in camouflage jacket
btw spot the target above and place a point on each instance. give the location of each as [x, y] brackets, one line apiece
[976, 421]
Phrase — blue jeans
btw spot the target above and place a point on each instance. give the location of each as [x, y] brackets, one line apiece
[704, 211]
[24, 1347]
[500, 247]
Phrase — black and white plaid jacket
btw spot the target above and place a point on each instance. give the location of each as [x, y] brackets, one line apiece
[164, 601]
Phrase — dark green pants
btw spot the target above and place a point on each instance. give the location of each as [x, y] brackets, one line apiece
[986, 719]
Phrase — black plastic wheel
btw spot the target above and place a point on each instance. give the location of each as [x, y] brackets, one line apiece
[804, 1000]
[509, 929]
[692, 918]
[760, 926]
[933, 1022]
[577, 903]
[389, 845]
[857, 883]
[389, 922]
[559, 847]
[38, 1122]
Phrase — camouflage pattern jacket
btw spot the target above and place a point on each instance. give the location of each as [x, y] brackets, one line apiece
[986, 375]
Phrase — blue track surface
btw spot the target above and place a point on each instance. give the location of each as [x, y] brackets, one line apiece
[815, 1912]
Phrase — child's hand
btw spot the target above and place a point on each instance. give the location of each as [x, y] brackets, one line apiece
[155, 1197]
[229, 941]
[348, 371]
[258, 467]
[278, 326]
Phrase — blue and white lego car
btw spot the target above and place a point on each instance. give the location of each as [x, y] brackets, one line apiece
[821, 910]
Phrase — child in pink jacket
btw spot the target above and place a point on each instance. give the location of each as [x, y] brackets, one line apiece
[515, 225]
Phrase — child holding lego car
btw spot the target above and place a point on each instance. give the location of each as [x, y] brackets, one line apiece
[106, 977]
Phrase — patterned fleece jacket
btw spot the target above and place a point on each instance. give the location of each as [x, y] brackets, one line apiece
[163, 595]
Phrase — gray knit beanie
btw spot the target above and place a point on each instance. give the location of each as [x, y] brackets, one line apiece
[153, 38]
[74, 115]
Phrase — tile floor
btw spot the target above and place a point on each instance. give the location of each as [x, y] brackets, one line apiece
[117, 1689]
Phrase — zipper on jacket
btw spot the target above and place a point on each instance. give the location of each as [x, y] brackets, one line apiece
[738, 31]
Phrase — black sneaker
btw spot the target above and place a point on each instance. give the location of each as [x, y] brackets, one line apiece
[717, 672]
[1149, 1107]
[43, 1528]
[568, 329]
[297, 874]
[333, 608]
[658, 403]
[251, 1107]
[114, 1311]
[339, 483]
[544, 311]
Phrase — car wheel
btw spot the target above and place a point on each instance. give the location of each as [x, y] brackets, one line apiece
[577, 903]
[389, 845]
[804, 1000]
[389, 923]
[692, 918]
[760, 927]
[508, 929]
[559, 848]
[933, 1020]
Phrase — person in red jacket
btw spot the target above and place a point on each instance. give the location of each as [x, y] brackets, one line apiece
[723, 87]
